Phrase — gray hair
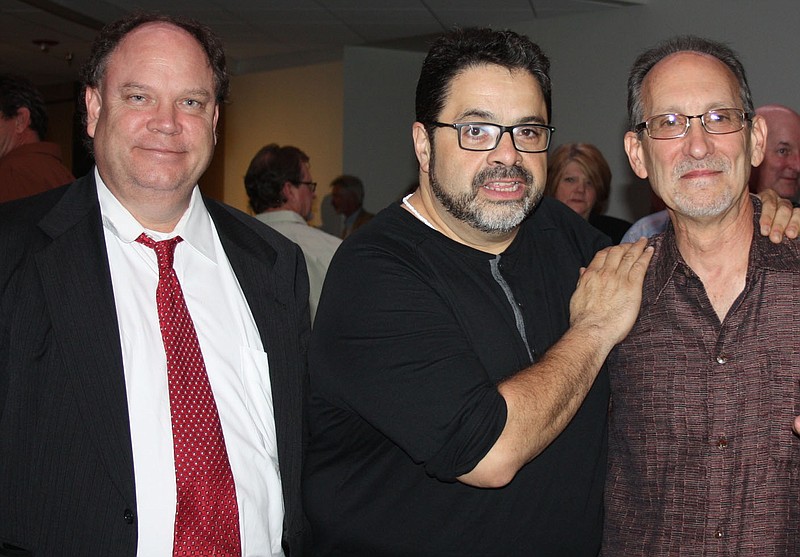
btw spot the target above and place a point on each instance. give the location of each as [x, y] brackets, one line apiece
[683, 43]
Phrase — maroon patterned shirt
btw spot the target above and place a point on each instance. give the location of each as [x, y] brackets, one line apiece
[702, 457]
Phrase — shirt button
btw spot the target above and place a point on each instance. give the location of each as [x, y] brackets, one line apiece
[721, 359]
[722, 443]
[718, 534]
[128, 516]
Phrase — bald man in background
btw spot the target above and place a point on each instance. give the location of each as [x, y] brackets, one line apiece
[780, 170]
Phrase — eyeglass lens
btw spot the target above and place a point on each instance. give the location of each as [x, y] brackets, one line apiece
[485, 137]
[721, 121]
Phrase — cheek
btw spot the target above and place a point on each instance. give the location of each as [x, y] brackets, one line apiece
[563, 191]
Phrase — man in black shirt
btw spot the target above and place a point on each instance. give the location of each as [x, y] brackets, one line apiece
[458, 391]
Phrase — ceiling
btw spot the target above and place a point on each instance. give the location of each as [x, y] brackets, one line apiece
[48, 40]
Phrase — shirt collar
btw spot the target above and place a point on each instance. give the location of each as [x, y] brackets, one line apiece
[282, 215]
[764, 254]
[195, 226]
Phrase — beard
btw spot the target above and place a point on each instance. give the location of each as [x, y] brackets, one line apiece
[699, 202]
[493, 217]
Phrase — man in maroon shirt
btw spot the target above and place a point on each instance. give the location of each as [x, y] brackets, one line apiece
[702, 457]
[28, 165]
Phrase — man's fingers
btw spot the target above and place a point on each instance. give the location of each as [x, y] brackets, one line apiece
[623, 256]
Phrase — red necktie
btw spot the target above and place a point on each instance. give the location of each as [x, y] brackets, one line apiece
[207, 516]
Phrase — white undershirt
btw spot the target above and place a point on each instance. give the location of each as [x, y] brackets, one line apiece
[235, 361]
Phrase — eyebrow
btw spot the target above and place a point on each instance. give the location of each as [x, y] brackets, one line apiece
[489, 117]
[135, 86]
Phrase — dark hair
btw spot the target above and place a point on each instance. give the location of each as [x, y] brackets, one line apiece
[17, 92]
[111, 36]
[683, 43]
[461, 49]
[351, 184]
[269, 170]
[593, 163]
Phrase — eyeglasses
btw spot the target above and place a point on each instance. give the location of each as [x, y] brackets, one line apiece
[481, 136]
[311, 185]
[672, 126]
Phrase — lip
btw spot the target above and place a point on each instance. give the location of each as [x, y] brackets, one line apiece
[503, 185]
[504, 190]
[700, 174]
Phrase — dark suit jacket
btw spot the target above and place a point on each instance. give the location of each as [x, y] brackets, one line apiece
[66, 464]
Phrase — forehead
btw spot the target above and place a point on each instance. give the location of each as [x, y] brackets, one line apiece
[159, 44]
[782, 126]
[691, 83]
[573, 167]
[496, 93]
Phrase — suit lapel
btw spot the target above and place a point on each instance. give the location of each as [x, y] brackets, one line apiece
[76, 282]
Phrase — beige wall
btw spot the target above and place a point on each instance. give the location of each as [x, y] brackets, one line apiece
[59, 130]
[300, 106]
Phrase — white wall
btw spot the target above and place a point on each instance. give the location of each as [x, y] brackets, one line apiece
[378, 113]
[590, 56]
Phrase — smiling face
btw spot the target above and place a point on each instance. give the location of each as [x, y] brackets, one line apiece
[699, 175]
[780, 170]
[488, 191]
[153, 117]
[576, 190]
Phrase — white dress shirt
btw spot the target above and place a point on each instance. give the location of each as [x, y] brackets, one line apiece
[318, 247]
[236, 363]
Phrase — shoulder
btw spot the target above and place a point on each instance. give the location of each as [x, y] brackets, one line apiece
[647, 226]
[613, 227]
[239, 226]
[393, 231]
[28, 212]
[554, 223]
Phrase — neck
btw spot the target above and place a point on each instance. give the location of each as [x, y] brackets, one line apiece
[457, 230]
[718, 251]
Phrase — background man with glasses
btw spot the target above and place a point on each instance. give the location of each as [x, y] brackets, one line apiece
[459, 396]
[281, 193]
[705, 387]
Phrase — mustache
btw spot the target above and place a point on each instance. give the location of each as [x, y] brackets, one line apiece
[716, 165]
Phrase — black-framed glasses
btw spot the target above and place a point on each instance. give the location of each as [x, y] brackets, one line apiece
[673, 125]
[311, 185]
[483, 136]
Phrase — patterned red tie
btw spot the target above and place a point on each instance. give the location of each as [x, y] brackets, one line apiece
[207, 516]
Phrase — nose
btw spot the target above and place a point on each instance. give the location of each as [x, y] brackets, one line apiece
[505, 153]
[698, 143]
[164, 119]
[794, 161]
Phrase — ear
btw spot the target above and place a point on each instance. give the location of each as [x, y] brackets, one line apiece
[635, 151]
[422, 146]
[758, 140]
[214, 123]
[289, 192]
[22, 120]
[93, 105]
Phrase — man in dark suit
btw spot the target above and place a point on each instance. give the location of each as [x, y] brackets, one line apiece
[90, 462]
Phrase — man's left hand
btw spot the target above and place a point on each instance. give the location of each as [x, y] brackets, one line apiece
[778, 217]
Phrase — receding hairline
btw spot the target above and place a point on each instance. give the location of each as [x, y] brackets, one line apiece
[167, 25]
[647, 79]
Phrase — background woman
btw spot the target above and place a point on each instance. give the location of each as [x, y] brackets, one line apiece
[578, 176]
